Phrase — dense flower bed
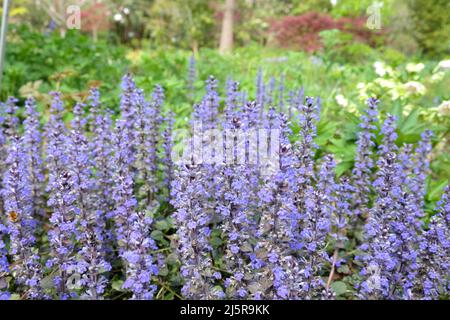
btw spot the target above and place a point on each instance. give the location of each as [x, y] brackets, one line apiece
[79, 203]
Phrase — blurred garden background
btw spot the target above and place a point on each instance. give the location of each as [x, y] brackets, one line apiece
[341, 50]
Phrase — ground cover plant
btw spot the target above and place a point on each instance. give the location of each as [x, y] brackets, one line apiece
[94, 205]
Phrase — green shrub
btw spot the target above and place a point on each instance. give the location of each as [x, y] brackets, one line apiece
[340, 47]
[70, 63]
[430, 22]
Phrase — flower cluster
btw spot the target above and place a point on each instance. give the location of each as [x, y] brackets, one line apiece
[70, 222]
[242, 234]
[97, 207]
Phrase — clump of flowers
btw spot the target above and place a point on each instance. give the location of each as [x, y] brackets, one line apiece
[98, 208]
[69, 209]
[274, 232]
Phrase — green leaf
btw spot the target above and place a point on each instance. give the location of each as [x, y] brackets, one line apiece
[171, 259]
[216, 241]
[157, 235]
[164, 271]
[117, 285]
[344, 269]
[411, 124]
[339, 287]
[436, 190]
[342, 167]
[47, 282]
[15, 296]
[162, 225]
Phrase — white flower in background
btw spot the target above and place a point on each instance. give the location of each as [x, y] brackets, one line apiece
[414, 87]
[333, 2]
[385, 83]
[390, 86]
[341, 100]
[363, 88]
[394, 93]
[118, 17]
[413, 67]
[380, 68]
[444, 108]
[438, 76]
[444, 64]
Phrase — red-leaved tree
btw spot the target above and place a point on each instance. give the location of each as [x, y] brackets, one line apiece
[302, 32]
[95, 18]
